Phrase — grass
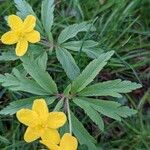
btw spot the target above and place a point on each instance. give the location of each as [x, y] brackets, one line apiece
[123, 26]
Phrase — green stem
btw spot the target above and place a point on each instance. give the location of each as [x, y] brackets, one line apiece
[69, 116]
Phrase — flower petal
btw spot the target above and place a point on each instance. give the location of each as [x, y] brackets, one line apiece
[31, 134]
[29, 23]
[68, 142]
[28, 117]
[33, 36]
[56, 119]
[21, 48]
[49, 144]
[9, 38]
[40, 107]
[52, 135]
[15, 22]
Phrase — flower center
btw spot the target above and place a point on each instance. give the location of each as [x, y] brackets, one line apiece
[22, 36]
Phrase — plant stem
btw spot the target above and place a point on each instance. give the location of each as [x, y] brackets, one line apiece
[69, 116]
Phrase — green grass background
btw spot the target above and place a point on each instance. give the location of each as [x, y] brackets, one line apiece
[123, 26]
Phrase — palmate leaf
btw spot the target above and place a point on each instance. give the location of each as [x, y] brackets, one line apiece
[39, 74]
[14, 106]
[90, 72]
[18, 82]
[68, 63]
[72, 30]
[25, 9]
[109, 88]
[47, 15]
[82, 135]
[108, 108]
[91, 112]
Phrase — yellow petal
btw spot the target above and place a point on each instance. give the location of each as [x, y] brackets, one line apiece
[15, 22]
[29, 23]
[68, 142]
[56, 120]
[51, 134]
[28, 117]
[33, 36]
[40, 106]
[49, 144]
[21, 48]
[9, 38]
[31, 134]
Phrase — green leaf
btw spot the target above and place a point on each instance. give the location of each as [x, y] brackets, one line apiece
[91, 112]
[42, 60]
[18, 82]
[77, 45]
[68, 63]
[7, 56]
[72, 30]
[90, 72]
[82, 135]
[67, 90]
[89, 47]
[14, 106]
[47, 15]
[59, 105]
[109, 108]
[25, 9]
[39, 75]
[109, 88]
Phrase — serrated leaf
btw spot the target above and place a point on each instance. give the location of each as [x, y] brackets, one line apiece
[94, 52]
[90, 72]
[77, 45]
[14, 106]
[125, 111]
[42, 60]
[25, 9]
[82, 135]
[110, 88]
[39, 75]
[88, 47]
[68, 63]
[7, 56]
[47, 15]
[109, 108]
[18, 82]
[72, 30]
[91, 112]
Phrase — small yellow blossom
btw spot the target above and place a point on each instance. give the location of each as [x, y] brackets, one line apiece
[41, 123]
[21, 33]
[68, 142]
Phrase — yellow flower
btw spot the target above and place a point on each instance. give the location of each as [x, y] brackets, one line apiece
[21, 33]
[41, 123]
[68, 142]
